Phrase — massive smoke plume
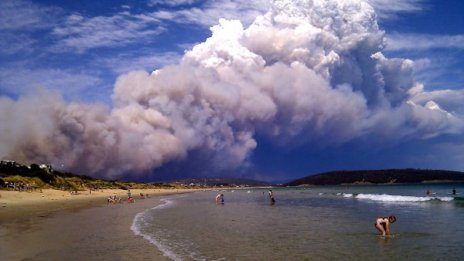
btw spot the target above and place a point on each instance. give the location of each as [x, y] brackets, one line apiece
[306, 71]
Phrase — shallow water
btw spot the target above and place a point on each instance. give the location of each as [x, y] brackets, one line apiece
[321, 223]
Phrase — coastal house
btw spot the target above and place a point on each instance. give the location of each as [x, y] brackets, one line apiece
[9, 163]
[46, 167]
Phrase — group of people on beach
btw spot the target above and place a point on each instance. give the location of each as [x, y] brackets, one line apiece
[130, 199]
[18, 186]
[114, 199]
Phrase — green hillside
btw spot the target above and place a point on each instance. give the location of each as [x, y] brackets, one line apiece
[379, 177]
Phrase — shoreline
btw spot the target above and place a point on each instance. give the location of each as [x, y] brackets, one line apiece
[15, 204]
[54, 226]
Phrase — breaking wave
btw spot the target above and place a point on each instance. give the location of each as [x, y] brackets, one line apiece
[396, 198]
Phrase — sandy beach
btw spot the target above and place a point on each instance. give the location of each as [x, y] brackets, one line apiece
[56, 225]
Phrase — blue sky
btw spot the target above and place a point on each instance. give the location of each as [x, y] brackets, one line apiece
[80, 49]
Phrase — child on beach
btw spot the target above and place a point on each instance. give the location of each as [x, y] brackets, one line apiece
[383, 224]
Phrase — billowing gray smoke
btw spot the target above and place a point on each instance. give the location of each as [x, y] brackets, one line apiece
[306, 71]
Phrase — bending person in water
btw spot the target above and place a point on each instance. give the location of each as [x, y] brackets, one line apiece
[220, 199]
[383, 224]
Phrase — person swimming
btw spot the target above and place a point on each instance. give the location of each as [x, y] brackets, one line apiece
[383, 224]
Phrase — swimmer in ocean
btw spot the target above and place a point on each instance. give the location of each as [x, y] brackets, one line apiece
[383, 224]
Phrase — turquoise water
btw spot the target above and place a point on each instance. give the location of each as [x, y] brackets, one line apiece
[319, 223]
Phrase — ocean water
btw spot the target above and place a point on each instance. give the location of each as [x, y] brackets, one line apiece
[317, 223]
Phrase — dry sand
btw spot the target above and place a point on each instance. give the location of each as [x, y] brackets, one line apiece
[55, 225]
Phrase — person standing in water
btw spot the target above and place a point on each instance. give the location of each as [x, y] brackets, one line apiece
[383, 224]
[271, 197]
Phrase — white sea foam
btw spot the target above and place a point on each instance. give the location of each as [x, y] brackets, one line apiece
[345, 195]
[446, 198]
[140, 219]
[399, 198]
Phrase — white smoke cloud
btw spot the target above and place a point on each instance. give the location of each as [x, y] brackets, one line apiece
[306, 71]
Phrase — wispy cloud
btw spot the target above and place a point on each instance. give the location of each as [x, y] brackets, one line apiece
[171, 2]
[438, 59]
[437, 63]
[211, 11]
[20, 81]
[82, 33]
[450, 100]
[13, 43]
[439, 71]
[148, 62]
[399, 41]
[389, 9]
[208, 12]
[26, 15]
[20, 20]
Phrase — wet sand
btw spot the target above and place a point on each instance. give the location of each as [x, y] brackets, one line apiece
[79, 228]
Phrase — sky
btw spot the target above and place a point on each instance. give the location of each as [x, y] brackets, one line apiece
[271, 90]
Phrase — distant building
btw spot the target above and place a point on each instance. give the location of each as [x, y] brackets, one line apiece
[10, 163]
[47, 167]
